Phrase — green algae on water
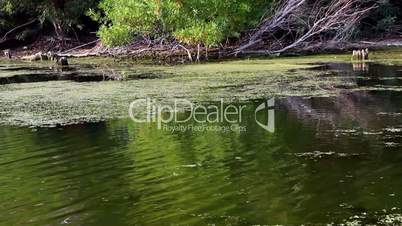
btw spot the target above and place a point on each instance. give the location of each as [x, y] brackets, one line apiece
[67, 102]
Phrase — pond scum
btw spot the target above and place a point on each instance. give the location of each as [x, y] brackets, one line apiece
[62, 100]
[348, 137]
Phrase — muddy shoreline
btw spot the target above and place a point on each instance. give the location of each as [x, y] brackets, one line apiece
[177, 54]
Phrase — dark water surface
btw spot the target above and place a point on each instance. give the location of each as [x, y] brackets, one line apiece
[329, 159]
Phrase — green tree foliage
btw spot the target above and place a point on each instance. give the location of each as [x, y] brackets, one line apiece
[205, 22]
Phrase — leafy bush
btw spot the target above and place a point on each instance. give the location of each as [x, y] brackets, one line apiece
[205, 22]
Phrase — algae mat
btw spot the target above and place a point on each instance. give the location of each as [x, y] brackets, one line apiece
[50, 103]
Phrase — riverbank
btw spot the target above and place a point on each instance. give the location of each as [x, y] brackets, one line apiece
[174, 53]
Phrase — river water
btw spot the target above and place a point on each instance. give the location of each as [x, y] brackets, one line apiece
[334, 158]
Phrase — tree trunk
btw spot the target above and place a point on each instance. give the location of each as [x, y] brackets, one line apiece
[57, 21]
[58, 29]
[198, 52]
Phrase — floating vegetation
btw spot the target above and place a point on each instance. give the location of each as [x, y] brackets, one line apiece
[319, 155]
[373, 133]
[51, 102]
[393, 130]
[382, 219]
[391, 219]
[191, 165]
[379, 88]
[393, 114]
[391, 144]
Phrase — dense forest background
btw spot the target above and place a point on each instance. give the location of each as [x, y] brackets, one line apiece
[188, 22]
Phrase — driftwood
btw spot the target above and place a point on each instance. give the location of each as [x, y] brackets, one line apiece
[80, 55]
[7, 54]
[360, 55]
[59, 60]
[36, 57]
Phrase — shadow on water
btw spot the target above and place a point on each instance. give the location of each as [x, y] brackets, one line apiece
[77, 77]
[365, 74]
[82, 73]
[77, 73]
[329, 159]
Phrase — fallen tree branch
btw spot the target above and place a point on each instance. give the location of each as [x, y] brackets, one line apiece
[340, 15]
[299, 23]
[188, 52]
[18, 27]
[80, 55]
[278, 20]
[80, 46]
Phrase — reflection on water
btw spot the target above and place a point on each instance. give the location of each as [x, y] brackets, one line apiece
[330, 158]
[121, 173]
[360, 66]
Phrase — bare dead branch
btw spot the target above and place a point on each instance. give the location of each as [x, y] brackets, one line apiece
[303, 23]
[278, 20]
[18, 27]
[80, 46]
[188, 52]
